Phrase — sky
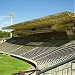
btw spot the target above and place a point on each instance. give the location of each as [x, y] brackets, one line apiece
[25, 10]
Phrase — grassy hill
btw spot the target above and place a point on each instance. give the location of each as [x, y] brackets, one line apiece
[9, 65]
[58, 19]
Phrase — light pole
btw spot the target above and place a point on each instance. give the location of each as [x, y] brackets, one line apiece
[11, 17]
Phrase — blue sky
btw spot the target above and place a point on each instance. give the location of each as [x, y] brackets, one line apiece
[30, 9]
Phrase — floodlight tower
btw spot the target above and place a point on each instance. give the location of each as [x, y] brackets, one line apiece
[11, 17]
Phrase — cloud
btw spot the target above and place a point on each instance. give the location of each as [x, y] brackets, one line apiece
[4, 24]
[3, 17]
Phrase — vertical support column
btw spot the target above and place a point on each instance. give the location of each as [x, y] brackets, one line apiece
[62, 72]
[71, 68]
[10, 24]
[72, 65]
[70, 33]
[11, 16]
[67, 71]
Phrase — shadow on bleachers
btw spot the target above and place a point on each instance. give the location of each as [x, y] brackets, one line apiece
[53, 39]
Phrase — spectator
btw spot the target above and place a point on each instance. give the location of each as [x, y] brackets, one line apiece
[21, 73]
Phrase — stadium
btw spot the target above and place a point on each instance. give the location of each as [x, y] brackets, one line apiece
[47, 44]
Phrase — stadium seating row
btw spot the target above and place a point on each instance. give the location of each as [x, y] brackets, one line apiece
[44, 56]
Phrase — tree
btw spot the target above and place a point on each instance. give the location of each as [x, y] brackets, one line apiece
[4, 34]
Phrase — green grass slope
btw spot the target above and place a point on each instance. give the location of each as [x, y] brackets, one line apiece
[9, 65]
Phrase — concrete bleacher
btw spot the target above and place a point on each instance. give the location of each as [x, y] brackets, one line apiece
[34, 52]
[22, 50]
[7, 47]
[56, 56]
[44, 54]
